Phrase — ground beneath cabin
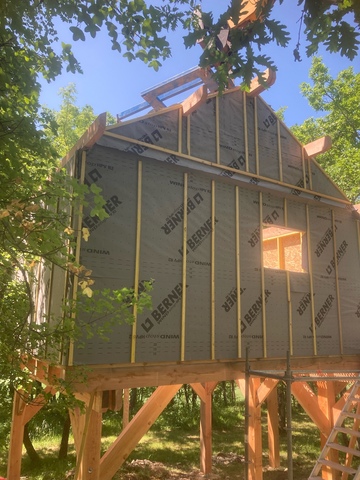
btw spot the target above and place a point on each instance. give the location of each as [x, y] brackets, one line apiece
[226, 466]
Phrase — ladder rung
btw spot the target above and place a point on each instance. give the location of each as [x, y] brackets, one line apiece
[337, 466]
[354, 397]
[343, 448]
[348, 431]
[353, 415]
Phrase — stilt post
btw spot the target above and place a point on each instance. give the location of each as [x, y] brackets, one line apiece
[247, 395]
[206, 429]
[289, 418]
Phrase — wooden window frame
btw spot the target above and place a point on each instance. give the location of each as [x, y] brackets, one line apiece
[279, 233]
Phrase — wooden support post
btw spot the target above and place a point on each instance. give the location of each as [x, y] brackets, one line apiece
[90, 462]
[88, 455]
[16, 437]
[273, 429]
[326, 400]
[22, 413]
[126, 407]
[77, 419]
[254, 433]
[206, 428]
[132, 434]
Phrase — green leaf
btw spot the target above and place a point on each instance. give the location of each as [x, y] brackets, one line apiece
[78, 34]
[95, 189]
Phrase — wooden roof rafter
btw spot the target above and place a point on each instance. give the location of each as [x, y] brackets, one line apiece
[155, 96]
[195, 77]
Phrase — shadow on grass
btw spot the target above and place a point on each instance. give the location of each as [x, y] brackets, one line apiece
[174, 453]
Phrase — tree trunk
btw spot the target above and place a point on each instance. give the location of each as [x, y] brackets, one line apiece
[30, 450]
[133, 399]
[64, 444]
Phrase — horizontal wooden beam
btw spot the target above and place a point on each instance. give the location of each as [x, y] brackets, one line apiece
[321, 145]
[258, 86]
[108, 377]
[85, 379]
[267, 183]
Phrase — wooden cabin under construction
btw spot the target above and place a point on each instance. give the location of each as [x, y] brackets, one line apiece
[254, 255]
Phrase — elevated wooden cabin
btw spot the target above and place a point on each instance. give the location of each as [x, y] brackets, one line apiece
[252, 248]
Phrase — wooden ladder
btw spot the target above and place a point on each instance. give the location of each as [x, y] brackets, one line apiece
[345, 429]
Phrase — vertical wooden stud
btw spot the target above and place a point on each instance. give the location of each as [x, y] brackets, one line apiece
[183, 297]
[308, 236]
[310, 173]
[256, 131]
[180, 117]
[338, 300]
[246, 139]
[304, 163]
[262, 270]
[137, 259]
[278, 131]
[238, 276]
[188, 135]
[213, 187]
[217, 129]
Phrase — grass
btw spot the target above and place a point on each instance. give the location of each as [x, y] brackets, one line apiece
[173, 453]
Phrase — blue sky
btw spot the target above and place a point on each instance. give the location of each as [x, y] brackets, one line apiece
[110, 83]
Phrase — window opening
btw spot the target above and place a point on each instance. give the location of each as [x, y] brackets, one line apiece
[284, 249]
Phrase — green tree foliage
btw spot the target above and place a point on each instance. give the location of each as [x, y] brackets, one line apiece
[328, 22]
[65, 126]
[241, 52]
[338, 98]
[36, 200]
